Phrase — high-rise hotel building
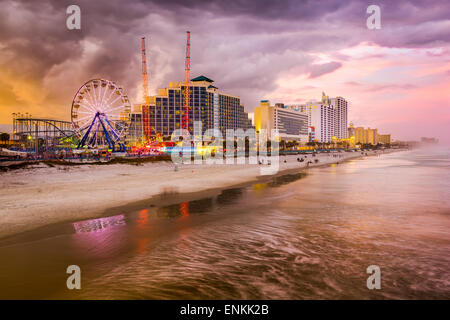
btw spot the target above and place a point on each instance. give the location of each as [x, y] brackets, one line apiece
[327, 118]
[291, 122]
[340, 117]
[215, 109]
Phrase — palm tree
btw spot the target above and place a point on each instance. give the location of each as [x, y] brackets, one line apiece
[282, 145]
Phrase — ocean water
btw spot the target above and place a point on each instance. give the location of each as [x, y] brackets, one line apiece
[309, 235]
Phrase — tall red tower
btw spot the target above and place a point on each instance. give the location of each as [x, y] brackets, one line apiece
[144, 73]
[187, 88]
[146, 125]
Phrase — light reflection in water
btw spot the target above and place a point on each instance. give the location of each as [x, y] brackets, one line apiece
[99, 238]
[97, 225]
[142, 245]
[184, 209]
[143, 218]
[259, 186]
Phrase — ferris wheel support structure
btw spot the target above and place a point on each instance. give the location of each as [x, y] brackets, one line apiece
[100, 115]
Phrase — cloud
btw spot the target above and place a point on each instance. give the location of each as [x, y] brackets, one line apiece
[247, 47]
[391, 86]
[380, 86]
[318, 70]
[353, 83]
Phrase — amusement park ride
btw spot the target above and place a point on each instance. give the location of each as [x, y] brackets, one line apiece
[100, 118]
[34, 132]
[100, 111]
[154, 140]
[100, 115]
[187, 88]
[146, 123]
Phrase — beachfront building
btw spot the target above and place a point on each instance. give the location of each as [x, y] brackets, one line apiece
[340, 117]
[351, 130]
[384, 138]
[360, 135]
[291, 122]
[369, 136]
[426, 140]
[321, 118]
[372, 136]
[366, 136]
[327, 118]
[135, 133]
[215, 109]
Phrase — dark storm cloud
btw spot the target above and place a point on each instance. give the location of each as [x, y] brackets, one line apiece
[246, 46]
[264, 9]
[404, 15]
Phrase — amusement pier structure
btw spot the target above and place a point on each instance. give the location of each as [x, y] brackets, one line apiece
[40, 132]
[101, 118]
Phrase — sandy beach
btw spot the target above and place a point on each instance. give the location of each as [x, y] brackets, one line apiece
[41, 195]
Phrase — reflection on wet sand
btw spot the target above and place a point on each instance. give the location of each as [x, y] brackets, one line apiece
[97, 225]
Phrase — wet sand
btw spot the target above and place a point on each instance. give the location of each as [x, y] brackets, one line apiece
[302, 234]
[40, 196]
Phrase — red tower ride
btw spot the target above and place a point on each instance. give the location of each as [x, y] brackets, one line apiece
[187, 89]
[146, 125]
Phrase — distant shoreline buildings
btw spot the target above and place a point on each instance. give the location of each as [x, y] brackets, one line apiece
[323, 121]
[426, 140]
[319, 121]
[368, 136]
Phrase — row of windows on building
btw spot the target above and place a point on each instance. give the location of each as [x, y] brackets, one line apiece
[289, 123]
[167, 113]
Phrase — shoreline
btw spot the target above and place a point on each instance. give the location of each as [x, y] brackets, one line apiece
[123, 188]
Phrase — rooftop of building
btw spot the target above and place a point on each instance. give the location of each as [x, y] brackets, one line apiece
[202, 78]
[200, 81]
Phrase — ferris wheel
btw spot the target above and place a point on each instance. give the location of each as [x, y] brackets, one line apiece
[100, 114]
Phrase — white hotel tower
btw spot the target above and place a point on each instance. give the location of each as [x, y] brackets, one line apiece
[327, 118]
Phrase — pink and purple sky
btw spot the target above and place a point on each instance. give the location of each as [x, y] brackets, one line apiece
[397, 78]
